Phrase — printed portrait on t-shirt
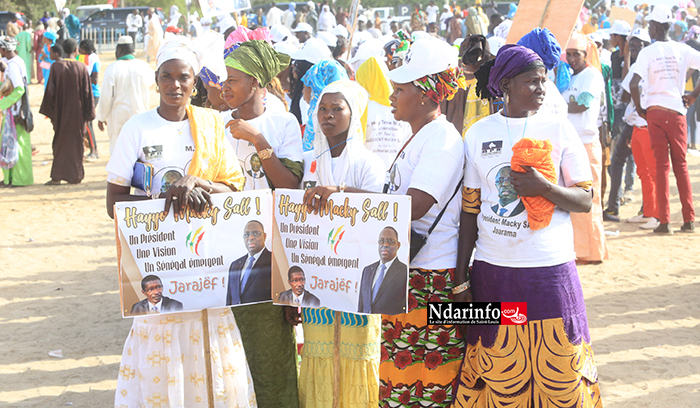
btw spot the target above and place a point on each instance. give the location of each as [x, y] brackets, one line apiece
[253, 166]
[394, 178]
[169, 178]
[508, 203]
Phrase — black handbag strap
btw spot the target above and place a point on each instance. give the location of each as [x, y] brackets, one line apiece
[437, 220]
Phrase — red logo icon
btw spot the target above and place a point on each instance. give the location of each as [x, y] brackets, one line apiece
[513, 313]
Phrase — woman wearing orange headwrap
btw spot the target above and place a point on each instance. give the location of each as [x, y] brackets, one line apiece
[584, 96]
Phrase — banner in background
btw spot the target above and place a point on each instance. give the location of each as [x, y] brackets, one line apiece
[559, 16]
[170, 264]
[351, 257]
[215, 8]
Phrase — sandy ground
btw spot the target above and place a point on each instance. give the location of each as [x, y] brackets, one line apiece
[59, 291]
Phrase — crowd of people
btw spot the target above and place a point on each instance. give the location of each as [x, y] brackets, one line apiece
[531, 134]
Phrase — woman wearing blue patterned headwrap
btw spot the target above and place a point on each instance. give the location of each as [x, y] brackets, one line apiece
[315, 79]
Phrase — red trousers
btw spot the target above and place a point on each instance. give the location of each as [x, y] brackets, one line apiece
[646, 169]
[667, 132]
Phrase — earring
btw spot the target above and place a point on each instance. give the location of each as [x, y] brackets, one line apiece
[221, 94]
[194, 92]
[157, 89]
[422, 103]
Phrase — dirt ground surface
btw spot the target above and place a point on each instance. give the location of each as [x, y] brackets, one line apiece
[59, 291]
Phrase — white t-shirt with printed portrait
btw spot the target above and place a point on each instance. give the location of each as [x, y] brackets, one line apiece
[282, 132]
[149, 138]
[589, 81]
[433, 162]
[505, 238]
[663, 65]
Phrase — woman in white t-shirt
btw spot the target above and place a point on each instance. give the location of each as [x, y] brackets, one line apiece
[585, 94]
[428, 168]
[550, 360]
[340, 163]
[266, 141]
[268, 145]
[178, 140]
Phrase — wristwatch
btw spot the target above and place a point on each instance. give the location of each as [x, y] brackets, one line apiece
[265, 153]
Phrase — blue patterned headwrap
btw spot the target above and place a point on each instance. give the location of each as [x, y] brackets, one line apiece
[316, 78]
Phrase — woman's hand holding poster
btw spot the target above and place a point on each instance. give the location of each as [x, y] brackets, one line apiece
[352, 256]
[218, 258]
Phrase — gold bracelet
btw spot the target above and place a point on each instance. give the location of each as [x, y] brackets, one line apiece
[461, 288]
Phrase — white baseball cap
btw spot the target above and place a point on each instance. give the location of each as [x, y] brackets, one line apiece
[641, 34]
[620, 27]
[330, 39]
[313, 50]
[279, 33]
[370, 48]
[341, 31]
[125, 39]
[303, 27]
[285, 47]
[661, 14]
[599, 36]
[427, 56]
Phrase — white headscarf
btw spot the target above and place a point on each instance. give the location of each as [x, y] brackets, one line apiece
[192, 51]
[345, 168]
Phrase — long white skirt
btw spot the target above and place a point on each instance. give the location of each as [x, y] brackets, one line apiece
[163, 363]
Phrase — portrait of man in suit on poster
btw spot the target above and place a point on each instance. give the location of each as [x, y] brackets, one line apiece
[383, 284]
[297, 295]
[249, 276]
[155, 302]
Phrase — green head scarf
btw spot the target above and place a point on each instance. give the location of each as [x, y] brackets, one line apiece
[259, 60]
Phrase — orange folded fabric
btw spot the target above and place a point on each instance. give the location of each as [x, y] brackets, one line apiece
[538, 155]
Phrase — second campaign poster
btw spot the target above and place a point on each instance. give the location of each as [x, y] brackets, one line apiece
[352, 256]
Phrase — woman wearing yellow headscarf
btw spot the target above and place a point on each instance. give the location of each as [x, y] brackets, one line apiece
[384, 135]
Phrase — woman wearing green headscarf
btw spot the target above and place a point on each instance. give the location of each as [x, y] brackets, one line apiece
[268, 145]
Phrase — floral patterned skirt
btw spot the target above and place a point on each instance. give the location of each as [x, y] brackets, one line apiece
[420, 362]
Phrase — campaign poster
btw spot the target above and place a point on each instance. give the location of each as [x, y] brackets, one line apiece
[171, 263]
[559, 16]
[215, 8]
[352, 256]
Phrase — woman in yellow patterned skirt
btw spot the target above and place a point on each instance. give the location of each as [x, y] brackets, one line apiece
[542, 356]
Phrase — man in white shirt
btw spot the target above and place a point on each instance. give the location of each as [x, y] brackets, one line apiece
[125, 90]
[664, 65]
[134, 22]
[274, 15]
[297, 295]
[432, 11]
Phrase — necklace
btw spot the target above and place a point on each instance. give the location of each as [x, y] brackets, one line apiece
[313, 164]
[181, 125]
[508, 127]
